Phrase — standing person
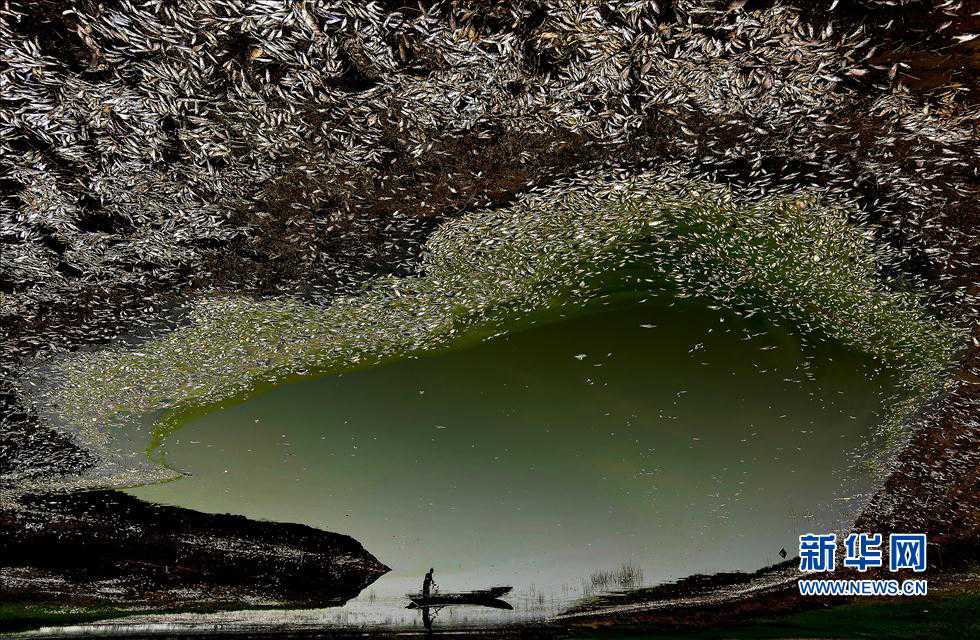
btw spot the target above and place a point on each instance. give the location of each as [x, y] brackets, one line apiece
[427, 584]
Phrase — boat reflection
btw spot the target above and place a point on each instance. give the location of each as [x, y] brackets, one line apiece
[430, 604]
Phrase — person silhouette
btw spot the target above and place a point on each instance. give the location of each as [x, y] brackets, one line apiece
[427, 584]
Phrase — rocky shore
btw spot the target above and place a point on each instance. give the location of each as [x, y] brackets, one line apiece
[108, 549]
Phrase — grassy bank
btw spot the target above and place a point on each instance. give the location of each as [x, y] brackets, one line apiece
[16, 616]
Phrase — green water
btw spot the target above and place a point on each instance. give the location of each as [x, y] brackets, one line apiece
[674, 438]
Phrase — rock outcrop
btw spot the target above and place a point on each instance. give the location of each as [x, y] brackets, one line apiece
[109, 549]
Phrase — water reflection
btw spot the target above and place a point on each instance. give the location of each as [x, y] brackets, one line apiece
[430, 601]
[620, 448]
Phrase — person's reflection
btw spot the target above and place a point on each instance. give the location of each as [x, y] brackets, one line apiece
[427, 619]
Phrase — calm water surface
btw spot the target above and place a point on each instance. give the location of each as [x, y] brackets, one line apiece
[672, 439]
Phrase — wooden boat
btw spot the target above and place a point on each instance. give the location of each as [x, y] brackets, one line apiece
[484, 597]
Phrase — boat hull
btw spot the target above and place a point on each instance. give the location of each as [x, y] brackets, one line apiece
[484, 597]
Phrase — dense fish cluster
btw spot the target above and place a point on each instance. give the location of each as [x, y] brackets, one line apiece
[288, 152]
[793, 259]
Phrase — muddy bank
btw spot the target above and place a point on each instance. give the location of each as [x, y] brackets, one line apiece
[108, 549]
[725, 600]
[697, 601]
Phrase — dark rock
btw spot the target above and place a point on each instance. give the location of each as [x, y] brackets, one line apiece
[108, 548]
